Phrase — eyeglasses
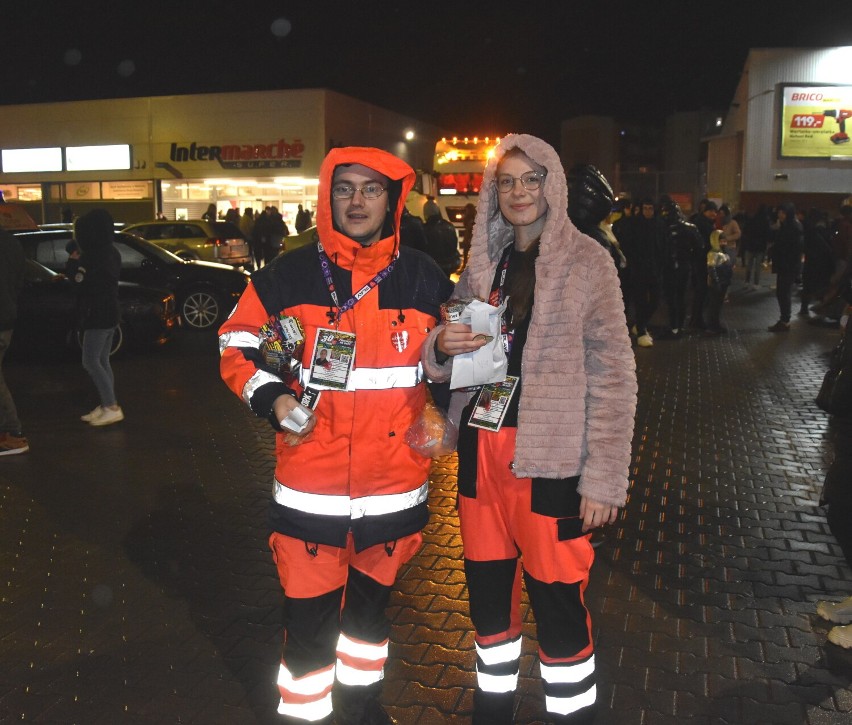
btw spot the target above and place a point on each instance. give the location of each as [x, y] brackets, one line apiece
[531, 180]
[347, 191]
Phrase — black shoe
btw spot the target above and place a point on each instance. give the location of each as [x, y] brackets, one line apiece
[780, 326]
[375, 714]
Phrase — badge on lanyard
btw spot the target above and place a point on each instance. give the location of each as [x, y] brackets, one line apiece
[492, 404]
[333, 359]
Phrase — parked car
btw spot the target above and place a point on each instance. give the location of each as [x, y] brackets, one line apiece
[197, 239]
[47, 314]
[206, 292]
[302, 239]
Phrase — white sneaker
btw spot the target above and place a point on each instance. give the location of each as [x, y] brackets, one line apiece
[841, 636]
[91, 415]
[108, 416]
[645, 340]
[837, 612]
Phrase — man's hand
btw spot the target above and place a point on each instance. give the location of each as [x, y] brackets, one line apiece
[457, 338]
[282, 406]
[595, 514]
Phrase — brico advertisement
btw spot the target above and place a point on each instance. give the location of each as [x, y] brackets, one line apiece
[814, 121]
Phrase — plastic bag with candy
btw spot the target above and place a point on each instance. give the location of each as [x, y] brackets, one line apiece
[433, 434]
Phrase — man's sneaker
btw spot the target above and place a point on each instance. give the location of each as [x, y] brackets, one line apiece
[837, 612]
[645, 340]
[91, 415]
[11, 445]
[108, 416]
[780, 327]
[841, 636]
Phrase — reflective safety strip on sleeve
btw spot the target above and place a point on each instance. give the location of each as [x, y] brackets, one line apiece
[569, 687]
[497, 667]
[360, 663]
[261, 377]
[376, 378]
[356, 508]
[307, 698]
[239, 338]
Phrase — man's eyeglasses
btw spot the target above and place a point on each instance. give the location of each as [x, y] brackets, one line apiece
[347, 191]
[531, 180]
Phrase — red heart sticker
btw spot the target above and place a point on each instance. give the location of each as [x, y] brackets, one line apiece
[399, 340]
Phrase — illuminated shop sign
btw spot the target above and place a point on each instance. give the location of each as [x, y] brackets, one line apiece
[276, 155]
[814, 121]
[97, 158]
[27, 160]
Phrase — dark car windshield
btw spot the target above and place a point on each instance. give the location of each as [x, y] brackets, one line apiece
[149, 248]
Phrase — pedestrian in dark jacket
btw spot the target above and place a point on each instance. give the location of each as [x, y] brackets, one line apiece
[837, 489]
[411, 232]
[819, 262]
[682, 243]
[786, 256]
[12, 264]
[96, 270]
[442, 241]
[640, 241]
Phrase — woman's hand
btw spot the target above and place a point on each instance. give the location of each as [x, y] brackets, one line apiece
[595, 513]
[282, 407]
[456, 339]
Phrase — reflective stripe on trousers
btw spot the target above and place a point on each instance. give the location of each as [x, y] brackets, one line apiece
[360, 663]
[569, 686]
[306, 698]
[497, 666]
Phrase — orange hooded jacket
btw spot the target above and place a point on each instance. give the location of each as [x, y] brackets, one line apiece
[354, 471]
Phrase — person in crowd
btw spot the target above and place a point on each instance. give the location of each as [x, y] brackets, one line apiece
[590, 201]
[841, 242]
[681, 243]
[468, 218]
[349, 496]
[233, 216]
[442, 241]
[755, 240]
[303, 219]
[537, 484]
[705, 222]
[818, 261]
[12, 440]
[837, 489]
[247, 228]
[210, 215]
[786, 254]
[262, 234]
[277, 230]
[730, 227]
[720, 272]
[640, 242]
[430, 207]
[411, 232]
[95, 268]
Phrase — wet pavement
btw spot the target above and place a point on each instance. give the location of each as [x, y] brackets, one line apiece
[137, 586]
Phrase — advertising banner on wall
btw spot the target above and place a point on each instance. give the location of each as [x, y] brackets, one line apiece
[814, 121]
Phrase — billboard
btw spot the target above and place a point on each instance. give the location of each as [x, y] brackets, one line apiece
[813, 121]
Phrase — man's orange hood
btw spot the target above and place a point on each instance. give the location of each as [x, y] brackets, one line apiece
[340, 248]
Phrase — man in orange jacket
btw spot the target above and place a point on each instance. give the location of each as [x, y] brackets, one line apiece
[349, 496]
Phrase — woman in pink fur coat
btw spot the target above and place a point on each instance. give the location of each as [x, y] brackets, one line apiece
[546, 460]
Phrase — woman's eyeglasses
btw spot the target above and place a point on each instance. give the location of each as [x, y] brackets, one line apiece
[531, 181]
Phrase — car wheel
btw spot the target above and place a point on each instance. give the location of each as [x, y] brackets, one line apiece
[118, 340]
[201, 309]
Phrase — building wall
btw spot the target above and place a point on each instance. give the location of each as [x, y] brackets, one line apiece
[763, 170]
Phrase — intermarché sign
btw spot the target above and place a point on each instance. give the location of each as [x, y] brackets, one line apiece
[276, 155]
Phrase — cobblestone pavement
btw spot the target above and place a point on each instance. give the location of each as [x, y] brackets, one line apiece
[137, 587]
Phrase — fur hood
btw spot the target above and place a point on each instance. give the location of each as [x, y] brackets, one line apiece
[493, 233]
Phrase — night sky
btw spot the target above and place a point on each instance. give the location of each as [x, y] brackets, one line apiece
[469, 67]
